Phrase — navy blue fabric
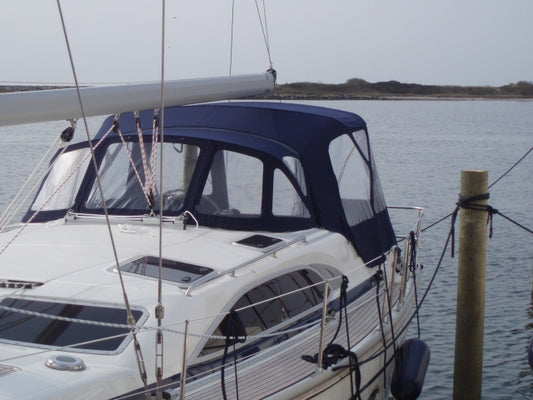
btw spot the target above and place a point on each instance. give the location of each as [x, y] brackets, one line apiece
[276, 130]
[286, 123]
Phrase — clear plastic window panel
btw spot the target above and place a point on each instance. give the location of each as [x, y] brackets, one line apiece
[294, 165]
[362, 141]
[63, 182]
[286, 201]
[125, 183]
[234, 186]
[353, 178]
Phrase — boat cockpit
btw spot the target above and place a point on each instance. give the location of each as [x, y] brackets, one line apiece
[251, 166]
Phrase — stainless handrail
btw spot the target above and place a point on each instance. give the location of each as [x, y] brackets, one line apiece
[231, 271]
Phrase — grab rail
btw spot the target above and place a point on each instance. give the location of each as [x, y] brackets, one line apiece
[231, 271]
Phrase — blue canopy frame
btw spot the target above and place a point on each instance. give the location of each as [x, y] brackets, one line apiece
[270, 132]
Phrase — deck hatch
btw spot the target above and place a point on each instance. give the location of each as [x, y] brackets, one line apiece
[259, 241]
[173, 271]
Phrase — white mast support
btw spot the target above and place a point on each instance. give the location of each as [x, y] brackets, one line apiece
[62, 104]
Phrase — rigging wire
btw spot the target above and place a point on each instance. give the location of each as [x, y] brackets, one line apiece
[50, 197]
[15, 204]
[509, 170]
[160, 310]
[231, 36]
[264, 30]
[23, 194]
[131, 318]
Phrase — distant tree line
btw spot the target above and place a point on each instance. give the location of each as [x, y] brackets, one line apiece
[356, 88]
[360, 89]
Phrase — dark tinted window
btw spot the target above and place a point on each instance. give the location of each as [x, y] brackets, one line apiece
[264, 313]
[174, 271]
[40, 330]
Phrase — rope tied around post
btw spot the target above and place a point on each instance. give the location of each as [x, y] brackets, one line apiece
[469, 203]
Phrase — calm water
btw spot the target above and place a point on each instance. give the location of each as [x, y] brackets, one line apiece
[420, 148]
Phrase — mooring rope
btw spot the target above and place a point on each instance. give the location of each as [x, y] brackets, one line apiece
[509, 170]
[490, 186]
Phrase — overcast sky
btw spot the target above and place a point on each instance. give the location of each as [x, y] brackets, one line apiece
[463, 42]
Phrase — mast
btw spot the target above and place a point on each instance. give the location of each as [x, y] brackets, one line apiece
[62, 104]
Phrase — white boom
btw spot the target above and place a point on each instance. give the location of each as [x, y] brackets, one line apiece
[62, 104]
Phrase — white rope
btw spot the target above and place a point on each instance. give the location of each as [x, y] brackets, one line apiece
[132, 162]
[148, 184]
[138, 328]
[187, 212]
[154, 152]
[66, 319]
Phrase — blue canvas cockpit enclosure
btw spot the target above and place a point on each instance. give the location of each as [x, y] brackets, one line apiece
[255, 166]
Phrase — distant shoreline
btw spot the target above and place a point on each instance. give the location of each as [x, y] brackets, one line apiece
[359, 89]
[391, 98]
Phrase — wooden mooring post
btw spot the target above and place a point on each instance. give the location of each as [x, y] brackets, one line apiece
[471, 290]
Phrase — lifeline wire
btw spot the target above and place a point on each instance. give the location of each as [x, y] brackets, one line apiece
[131, 318]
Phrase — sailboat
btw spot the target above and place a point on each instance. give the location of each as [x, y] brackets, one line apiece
[235, 250]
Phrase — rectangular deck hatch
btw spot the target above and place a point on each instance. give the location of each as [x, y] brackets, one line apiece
[259, 241]
[173, 271]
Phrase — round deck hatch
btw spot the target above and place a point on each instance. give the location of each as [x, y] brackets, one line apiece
[65, 363]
